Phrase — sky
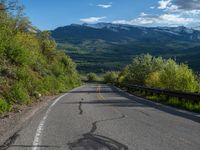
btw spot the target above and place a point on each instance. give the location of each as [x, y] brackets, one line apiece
[50, 14]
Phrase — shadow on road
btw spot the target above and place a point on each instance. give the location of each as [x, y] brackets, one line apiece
[128, 100]
[90, 91]
[146, 103]
[115, 103]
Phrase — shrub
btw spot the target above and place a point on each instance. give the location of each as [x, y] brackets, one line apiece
[4, 106]
[17, 55]
[111, 77]
[198, 82]
[18, 94]
[30, 64]
[92, 77]
[159, 73]
[141, 67]
[173, 77]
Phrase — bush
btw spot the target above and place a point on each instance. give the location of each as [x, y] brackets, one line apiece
[159, 73]
[173, 77]
[4, 106]
[92, 77]
[198, 82]
[141, 67]
[30, 64]
[18, 94]
[111, 77]
[153, 79]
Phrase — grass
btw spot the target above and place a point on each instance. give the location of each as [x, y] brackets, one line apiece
[172, 101]
[4, 107]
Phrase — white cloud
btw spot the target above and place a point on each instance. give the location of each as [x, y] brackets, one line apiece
[143, 14]
[187, 4]
[160, 20]
[189, 7]
[138, 21]
[164, 4]
[171, 13]
[152, 7]
[105, 5]
[92, 19]
[175, 19]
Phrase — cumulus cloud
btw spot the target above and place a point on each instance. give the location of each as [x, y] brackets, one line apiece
[180, 6]
[171, 13]
[160, 20]
[188, 4]
[163, 4]
[92, 19]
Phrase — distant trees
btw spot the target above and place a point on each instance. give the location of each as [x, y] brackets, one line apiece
[198, 80]
[111, 77]
[92, 77]
[160, 73]
[141, 67]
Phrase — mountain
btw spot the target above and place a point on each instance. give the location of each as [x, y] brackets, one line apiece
[106, 46]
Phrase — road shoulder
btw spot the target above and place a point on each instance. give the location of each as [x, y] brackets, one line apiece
[14, 122]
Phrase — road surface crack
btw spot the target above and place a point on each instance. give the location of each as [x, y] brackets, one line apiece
[9, 141]
[80, 108]
[95, 142]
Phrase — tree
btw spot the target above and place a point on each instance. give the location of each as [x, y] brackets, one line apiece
[160, 73]
[173, 76]
[141, 67]
[111, 77]
[92, 77]
[30, 64]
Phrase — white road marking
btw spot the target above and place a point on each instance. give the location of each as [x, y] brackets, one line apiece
[37, 138]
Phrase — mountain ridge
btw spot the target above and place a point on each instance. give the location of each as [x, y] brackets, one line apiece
[179, 31]
[96, 46]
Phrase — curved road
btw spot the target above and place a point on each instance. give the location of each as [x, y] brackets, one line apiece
[101, 117]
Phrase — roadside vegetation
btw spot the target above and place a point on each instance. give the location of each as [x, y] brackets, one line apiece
[92, 77]
[111, 77]
[156, 72]
[160, 73]
[30, 64]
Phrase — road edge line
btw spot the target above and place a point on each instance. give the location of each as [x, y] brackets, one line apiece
[40, 128]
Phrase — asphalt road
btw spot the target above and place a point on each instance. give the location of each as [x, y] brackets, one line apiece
[101, 117]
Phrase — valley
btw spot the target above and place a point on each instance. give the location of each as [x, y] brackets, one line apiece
[102, 47]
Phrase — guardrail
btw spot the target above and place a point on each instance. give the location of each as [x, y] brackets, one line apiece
[181, 95]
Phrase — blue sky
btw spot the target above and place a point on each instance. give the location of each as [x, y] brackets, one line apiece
[49, 14]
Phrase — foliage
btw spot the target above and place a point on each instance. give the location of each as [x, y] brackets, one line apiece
[173, 77]
[30, 64]
[4, 106]
[172, 101]
[141, 67]
[198, 82]
[92, 77]
[160, 73]
[18, 94]
[111, 77]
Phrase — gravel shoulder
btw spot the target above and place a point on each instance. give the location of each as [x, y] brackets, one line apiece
[14, 121]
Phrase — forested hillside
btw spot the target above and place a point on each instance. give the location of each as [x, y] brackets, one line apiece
[30, 64]
[104, 46]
